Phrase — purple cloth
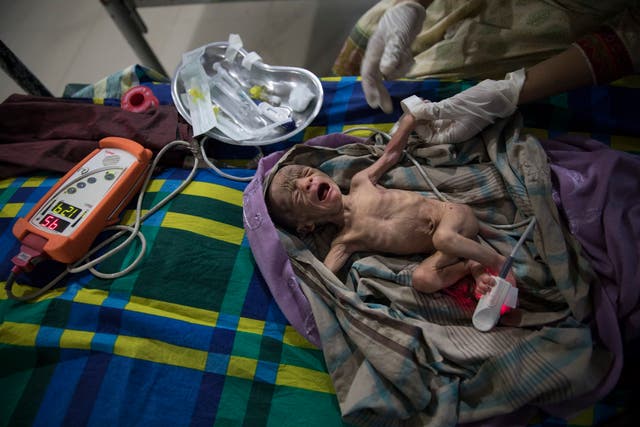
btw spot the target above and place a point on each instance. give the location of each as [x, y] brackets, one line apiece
[598, 190]
[270, 255]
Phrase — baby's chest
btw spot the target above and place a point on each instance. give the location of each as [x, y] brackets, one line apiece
[398, 232]
[394, 208]
[390, 215]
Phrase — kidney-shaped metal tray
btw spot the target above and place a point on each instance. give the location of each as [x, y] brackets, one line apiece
[276, 80]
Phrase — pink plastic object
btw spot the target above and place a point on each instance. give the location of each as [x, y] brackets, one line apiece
[138, 100]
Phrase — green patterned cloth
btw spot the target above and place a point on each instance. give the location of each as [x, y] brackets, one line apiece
[117, 84]
[191, 337]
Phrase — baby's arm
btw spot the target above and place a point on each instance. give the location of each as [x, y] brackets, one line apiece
[337, 257]
[393, 150]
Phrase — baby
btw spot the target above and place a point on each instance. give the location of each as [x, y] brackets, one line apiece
[373, 218]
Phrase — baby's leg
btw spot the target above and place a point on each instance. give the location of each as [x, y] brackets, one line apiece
[438, 271]
[456, 235]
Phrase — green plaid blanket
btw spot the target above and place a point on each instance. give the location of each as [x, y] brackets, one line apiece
[191, 337]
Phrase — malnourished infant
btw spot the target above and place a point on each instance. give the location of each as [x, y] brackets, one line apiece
[375, 219]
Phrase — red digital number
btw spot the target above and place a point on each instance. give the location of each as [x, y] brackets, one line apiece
[54, 224]
[51, 222]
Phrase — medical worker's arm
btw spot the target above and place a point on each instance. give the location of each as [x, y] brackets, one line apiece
[462, 116]
[388, 54]
[565, 71]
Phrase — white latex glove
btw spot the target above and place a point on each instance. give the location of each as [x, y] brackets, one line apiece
[388, 53]
[462, 116]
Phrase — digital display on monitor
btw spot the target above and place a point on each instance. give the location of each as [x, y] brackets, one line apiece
[66, 210]
[54, 223]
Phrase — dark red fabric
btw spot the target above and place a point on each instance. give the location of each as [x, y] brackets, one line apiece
[607, 54]
[53, 134]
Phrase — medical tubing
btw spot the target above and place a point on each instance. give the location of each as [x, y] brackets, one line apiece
[367, 129]
[442, 197]
[218, 170]
[424, 175]
[9, 285]
[507, 264]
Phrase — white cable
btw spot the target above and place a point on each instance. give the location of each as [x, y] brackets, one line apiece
[9, 286]
[368, 129]
[218, 170]
[424, 175]
[133, 230]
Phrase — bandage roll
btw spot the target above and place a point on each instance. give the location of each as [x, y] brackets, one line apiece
[138, 99]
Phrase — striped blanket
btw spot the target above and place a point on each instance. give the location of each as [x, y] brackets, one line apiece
[397, 356]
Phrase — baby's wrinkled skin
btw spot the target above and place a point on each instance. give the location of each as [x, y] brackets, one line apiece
[371, 218]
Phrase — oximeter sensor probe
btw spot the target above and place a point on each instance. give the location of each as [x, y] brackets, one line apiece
[502, 295]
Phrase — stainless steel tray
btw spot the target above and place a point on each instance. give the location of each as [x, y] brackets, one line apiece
[275, 79]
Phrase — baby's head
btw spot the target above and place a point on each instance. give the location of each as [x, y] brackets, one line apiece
[301, 197]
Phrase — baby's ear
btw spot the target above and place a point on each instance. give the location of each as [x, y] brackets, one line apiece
[304, 229]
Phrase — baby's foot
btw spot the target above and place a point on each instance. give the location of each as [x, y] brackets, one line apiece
[483, 280]
[484, 283]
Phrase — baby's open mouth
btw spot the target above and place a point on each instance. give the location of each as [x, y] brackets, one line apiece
[323, 191]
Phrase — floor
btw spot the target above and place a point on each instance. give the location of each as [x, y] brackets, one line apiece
[76, 41]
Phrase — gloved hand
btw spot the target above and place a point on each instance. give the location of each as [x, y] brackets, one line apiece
[462, 116]
[388, 52]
